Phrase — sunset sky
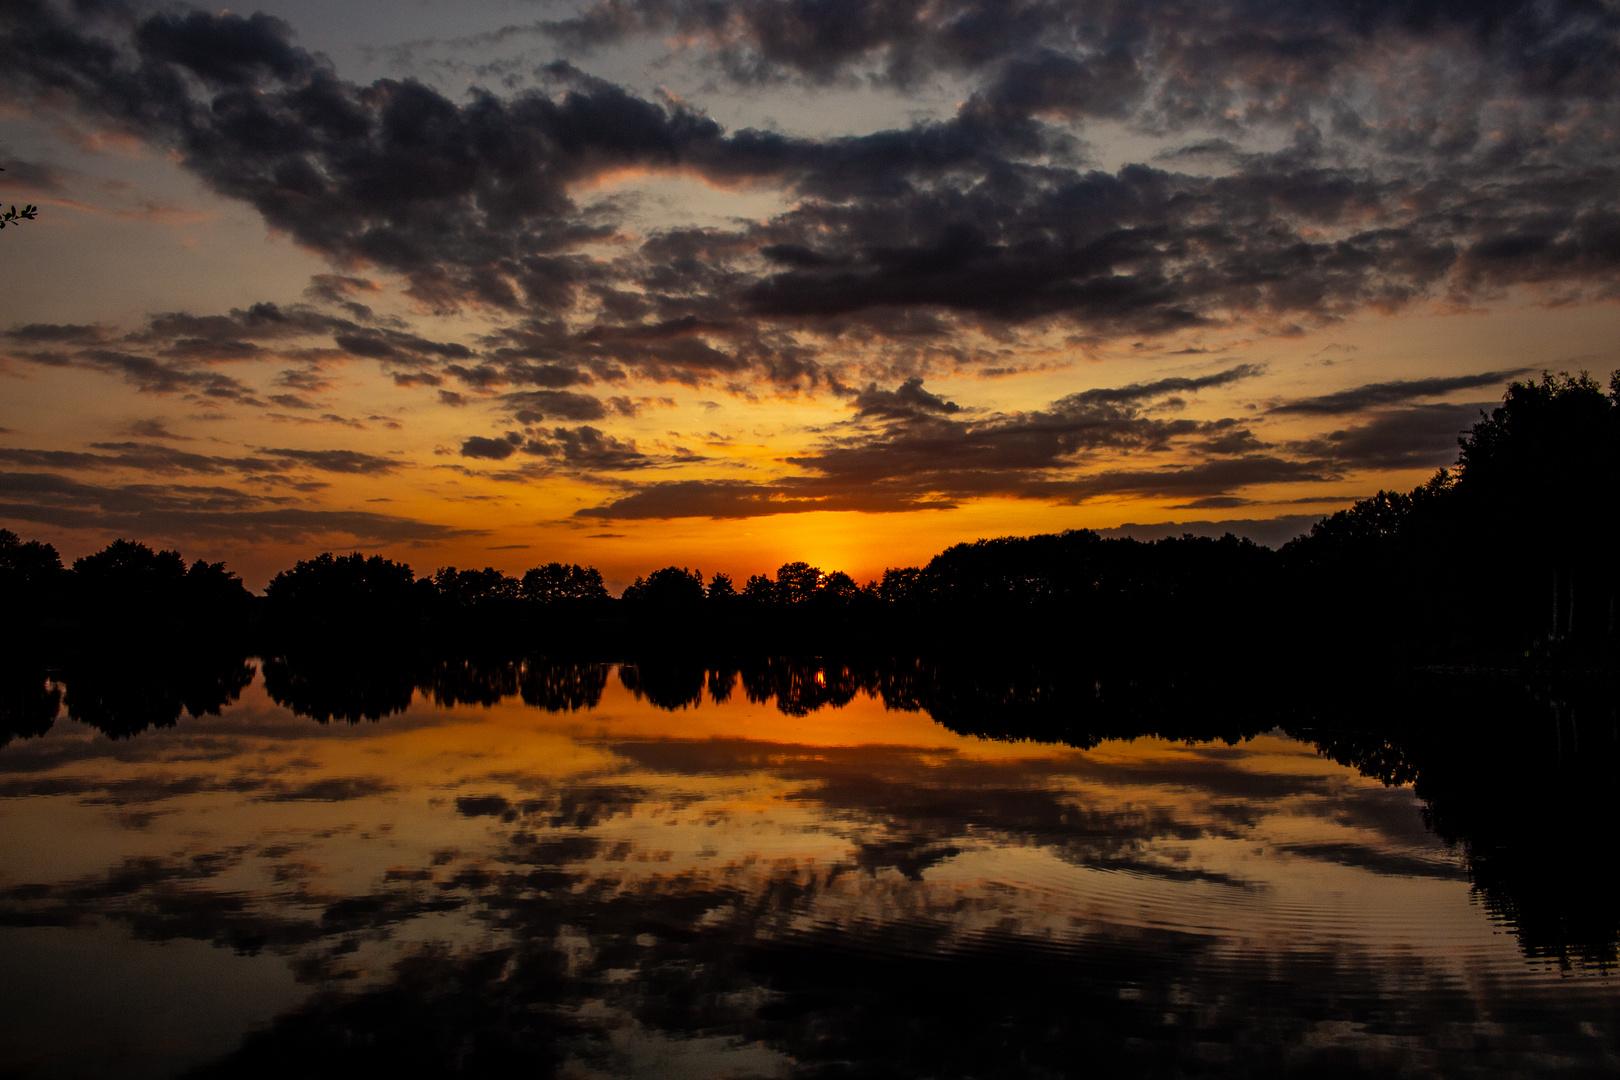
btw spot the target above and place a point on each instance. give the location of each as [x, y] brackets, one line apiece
[725, 283]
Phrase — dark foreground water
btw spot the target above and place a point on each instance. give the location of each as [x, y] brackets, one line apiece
[587, 871]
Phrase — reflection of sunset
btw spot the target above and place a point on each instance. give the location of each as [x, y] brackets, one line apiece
[608, 831]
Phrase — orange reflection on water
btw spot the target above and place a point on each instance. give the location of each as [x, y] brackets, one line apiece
[604, 834]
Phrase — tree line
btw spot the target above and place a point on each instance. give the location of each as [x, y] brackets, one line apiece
[1509, 553]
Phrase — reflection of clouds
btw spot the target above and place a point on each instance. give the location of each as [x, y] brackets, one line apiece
[915, 907]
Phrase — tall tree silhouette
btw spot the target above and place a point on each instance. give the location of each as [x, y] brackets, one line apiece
[1540, 478]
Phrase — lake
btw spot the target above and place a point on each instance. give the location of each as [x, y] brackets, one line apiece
[794, 869]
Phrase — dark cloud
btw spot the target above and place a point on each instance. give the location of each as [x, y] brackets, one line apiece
[338, 461]
[167, 460]
[906, 401]
[30, 175]
[586, 448]
[984, 215]
[744, 499]
[941, 453]
[904, 456]
[156, 428]
[151, 376]
[947, 241]
[1047, 55]
[1138, 392]
[1372, 395]
[178, 352]
[1270, 532]
[194, 514]
[533, 406]
[339, 288]
[162, 460]
[1418, 437]
[490, 449]
[57, 334]
[1201, 480]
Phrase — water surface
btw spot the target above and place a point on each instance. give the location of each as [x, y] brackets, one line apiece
[586, 870]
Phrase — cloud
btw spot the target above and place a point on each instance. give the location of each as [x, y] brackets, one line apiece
[156, 428]
[935, 451]
[586, 448]
[167, 460]
[489, 449]
[178, 352]
[986, 215]
[201, 514]
[1046, 56]
[743, 499]
[1417, 437]
[533, 406]
[898, 456]
[1270, 532]
[338, 461]
[906, 401]
[1288, 187]
[30, 175]
[1372, 395]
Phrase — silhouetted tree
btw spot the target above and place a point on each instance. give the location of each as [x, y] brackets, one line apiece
[129, 593]
[32, 580]
[130, 578]
[796, 582]
[672, 588]
[839, 586]
[360, 601]
[759, 590]
[1515, 545]
[556, 583]
[900, 585]
[474, 588]
[1539, 480]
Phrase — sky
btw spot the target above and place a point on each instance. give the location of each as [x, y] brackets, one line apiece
[729, 283]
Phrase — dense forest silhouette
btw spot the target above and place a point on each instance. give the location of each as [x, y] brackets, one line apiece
[1507, 556]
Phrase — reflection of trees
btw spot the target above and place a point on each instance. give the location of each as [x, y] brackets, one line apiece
[328, 687]
[1056, 699]
[377, 684]
[1000, 698]
[562, 685]
[550, 683]
[28, 704]
[125, 694]
[1522, 781]
[800, 687]
[470, 682]
[667, 684]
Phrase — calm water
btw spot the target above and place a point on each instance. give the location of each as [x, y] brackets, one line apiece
[583, 870]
